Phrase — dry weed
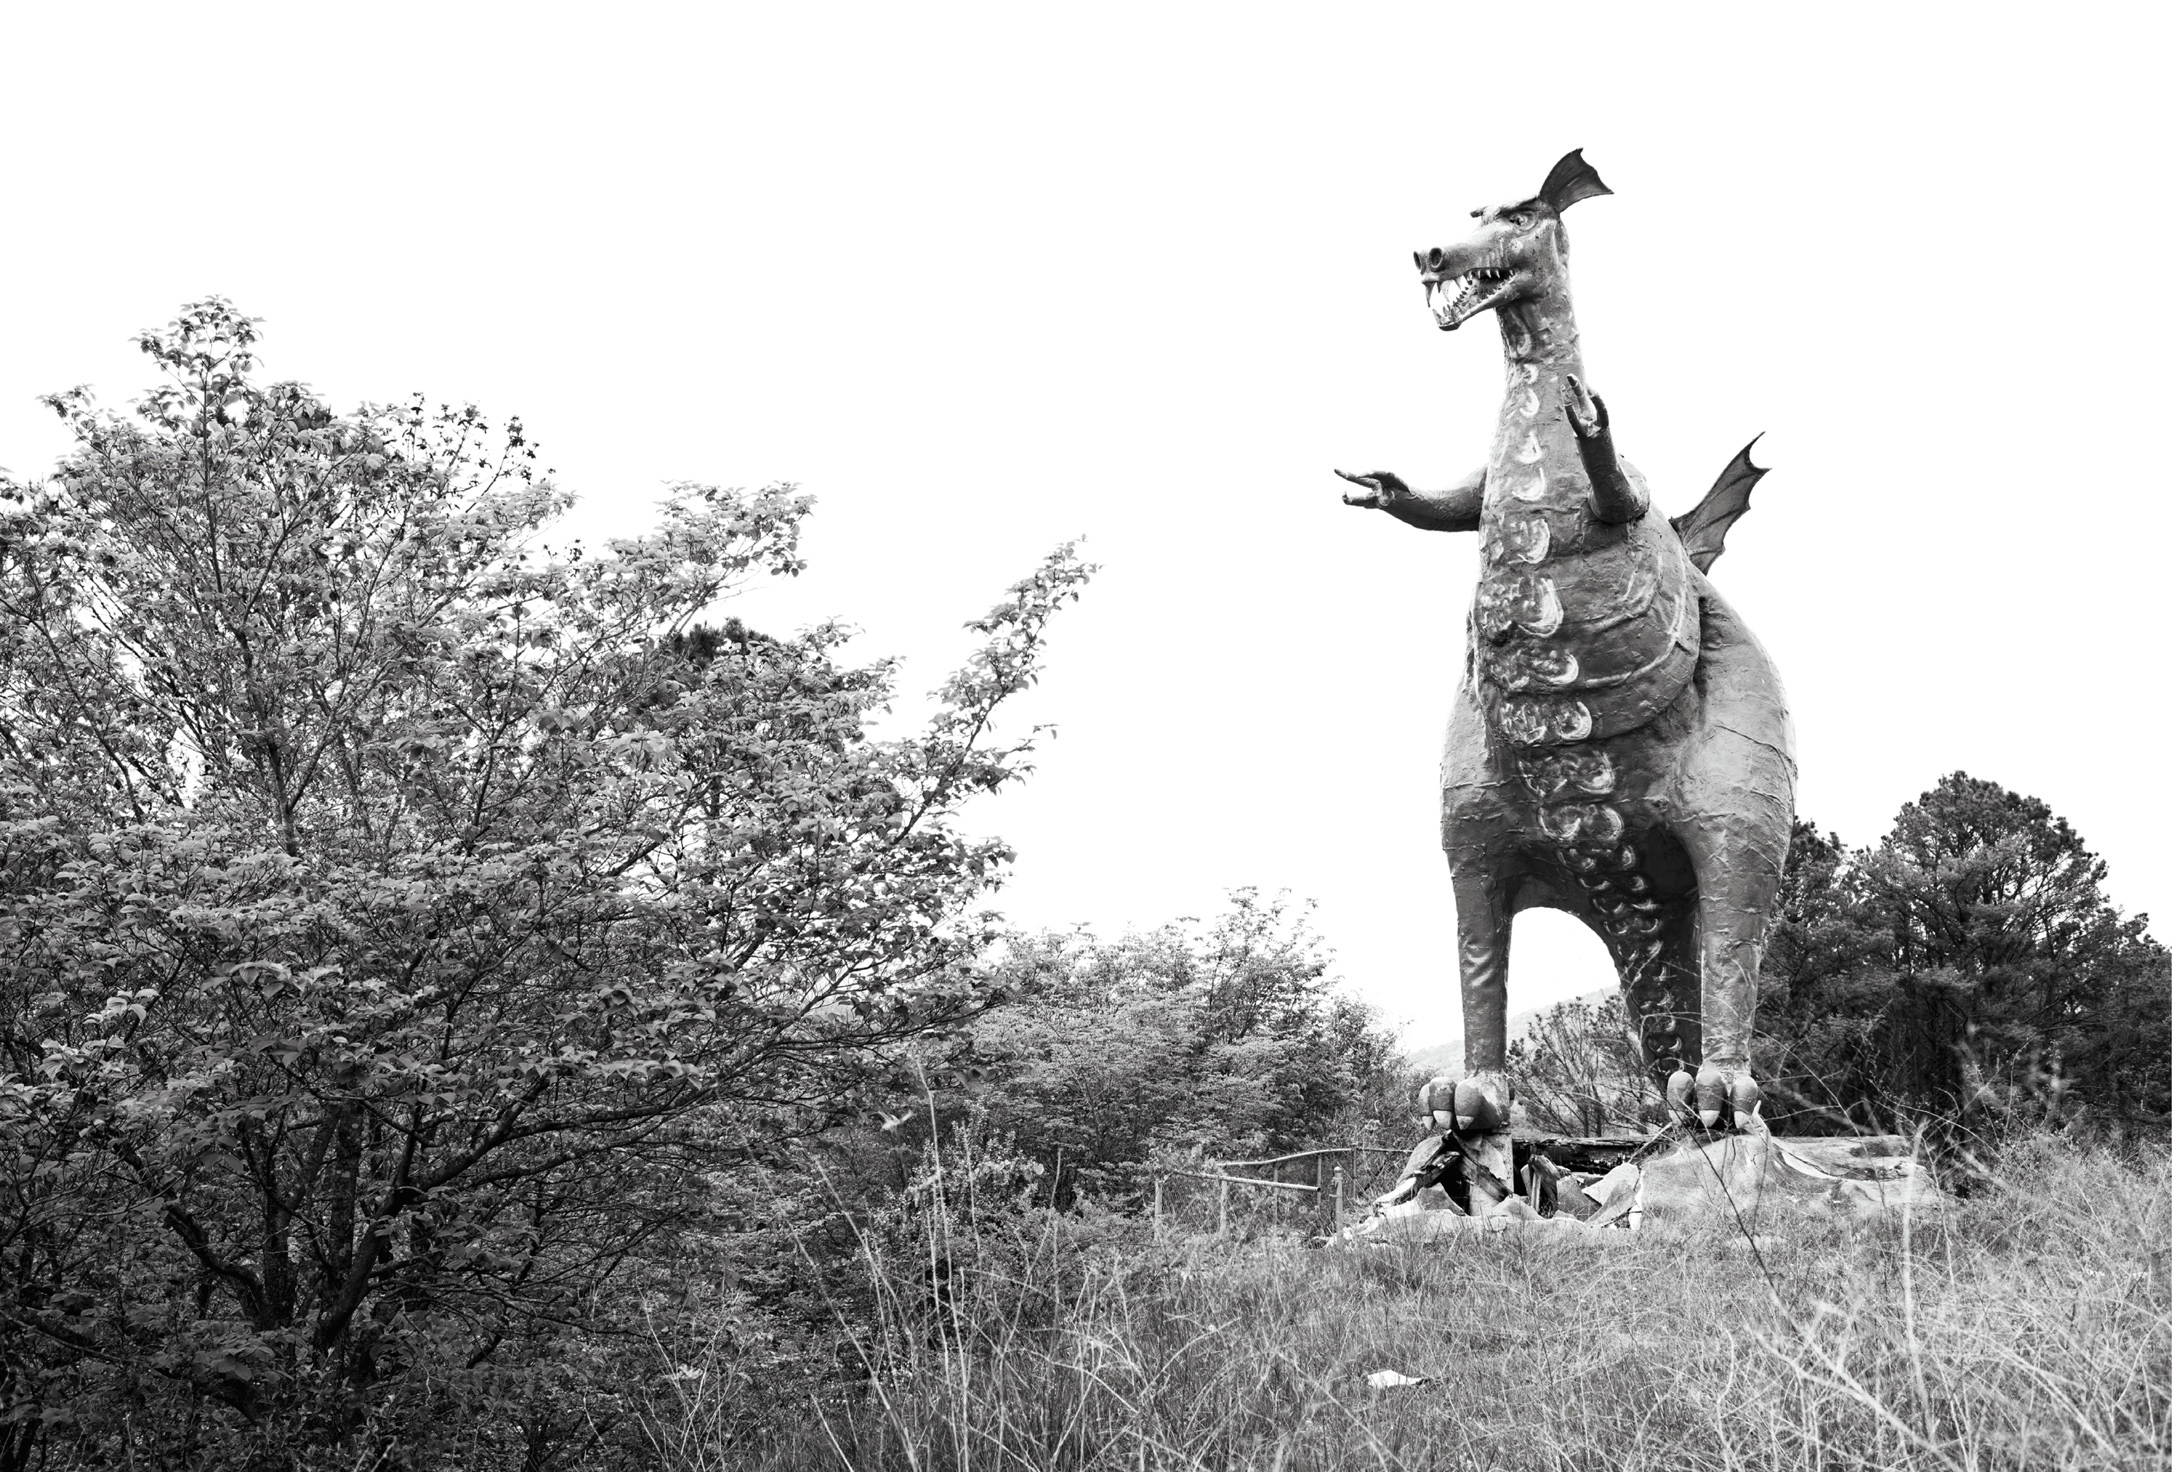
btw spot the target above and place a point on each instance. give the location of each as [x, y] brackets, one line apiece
[2031, 1328]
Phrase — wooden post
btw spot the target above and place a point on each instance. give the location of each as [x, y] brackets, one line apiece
[1157, 1208]
[1339, 1184]
[1222, 1225]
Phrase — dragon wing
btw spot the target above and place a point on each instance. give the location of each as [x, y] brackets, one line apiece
[1704, 530]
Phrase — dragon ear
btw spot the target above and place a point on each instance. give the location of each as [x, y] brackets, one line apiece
[1571, 180]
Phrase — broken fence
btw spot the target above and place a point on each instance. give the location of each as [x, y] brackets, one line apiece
[1316, 1189]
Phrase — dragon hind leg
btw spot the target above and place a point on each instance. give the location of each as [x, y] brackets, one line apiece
[1473, 1110]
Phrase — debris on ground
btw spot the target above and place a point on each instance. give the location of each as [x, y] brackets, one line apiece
[1391, 1379]
[1746, 1176]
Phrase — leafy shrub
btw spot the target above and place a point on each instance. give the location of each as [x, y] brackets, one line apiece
[406, 926]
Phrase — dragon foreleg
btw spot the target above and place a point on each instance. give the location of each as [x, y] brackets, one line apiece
[1615, 498]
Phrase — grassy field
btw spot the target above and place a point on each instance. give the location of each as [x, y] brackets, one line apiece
[2031, 1328]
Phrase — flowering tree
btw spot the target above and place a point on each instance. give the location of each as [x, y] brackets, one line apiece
[402, 921]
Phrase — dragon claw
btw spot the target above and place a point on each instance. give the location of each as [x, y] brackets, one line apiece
[1481, 1105]
[1724, 1097]
[1586, 411]
[1681, 1089]
[1379, 488]
[1466, 1106]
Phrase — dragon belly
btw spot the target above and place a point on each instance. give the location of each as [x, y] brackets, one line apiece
[1583, 631]
[1580, 631]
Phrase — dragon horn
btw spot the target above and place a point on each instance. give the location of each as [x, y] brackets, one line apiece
[1571, 180]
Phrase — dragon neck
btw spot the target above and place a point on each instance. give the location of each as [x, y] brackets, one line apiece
[1542, 332]
[1541, 351]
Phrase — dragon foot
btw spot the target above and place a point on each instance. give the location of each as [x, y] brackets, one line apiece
[1715, 1098]
[1466, 1106]
[1473, 1113]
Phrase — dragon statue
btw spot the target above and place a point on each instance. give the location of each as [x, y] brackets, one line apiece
[1619, 747]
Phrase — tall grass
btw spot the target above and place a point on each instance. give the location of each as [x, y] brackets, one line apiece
[2030, 1328]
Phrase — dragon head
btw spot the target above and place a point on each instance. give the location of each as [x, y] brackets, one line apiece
[1518, 253]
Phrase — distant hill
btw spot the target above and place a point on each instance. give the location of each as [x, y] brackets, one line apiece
[1445, 1060]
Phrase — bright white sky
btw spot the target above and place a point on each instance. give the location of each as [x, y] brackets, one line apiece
[985, 278]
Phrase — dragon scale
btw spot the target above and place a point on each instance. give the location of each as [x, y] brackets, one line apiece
[1580, 632]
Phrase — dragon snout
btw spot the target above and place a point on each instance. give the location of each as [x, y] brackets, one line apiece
[1457, 286]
